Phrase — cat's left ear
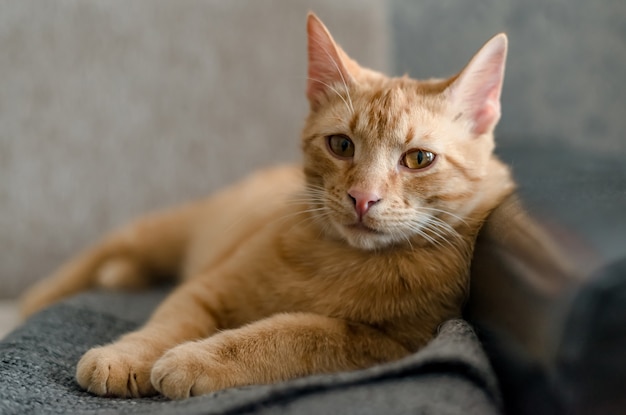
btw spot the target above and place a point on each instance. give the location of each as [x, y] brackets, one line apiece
[475, 93]
[329, 66]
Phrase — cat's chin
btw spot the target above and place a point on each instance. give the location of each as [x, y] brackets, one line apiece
[363, 237]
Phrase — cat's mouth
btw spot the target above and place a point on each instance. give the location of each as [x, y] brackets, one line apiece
[362, 236]
[361, 227]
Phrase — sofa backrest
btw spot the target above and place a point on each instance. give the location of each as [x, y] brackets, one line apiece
[109, 109]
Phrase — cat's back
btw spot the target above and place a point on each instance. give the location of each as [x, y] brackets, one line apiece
[232, 216]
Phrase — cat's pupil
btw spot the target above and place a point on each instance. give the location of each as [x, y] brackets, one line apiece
[341, 146]
[344, 145]
[420, 157]
[417, 159]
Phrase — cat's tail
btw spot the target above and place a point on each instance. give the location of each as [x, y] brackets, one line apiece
[146, 252]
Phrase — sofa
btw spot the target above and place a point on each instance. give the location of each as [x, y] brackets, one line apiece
[109, 109]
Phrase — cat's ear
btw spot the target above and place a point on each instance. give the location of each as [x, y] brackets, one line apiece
[475, 93]
[328, 63]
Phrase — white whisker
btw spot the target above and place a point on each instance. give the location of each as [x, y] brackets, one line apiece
[460, 219]
[336, 65]
[347, 103]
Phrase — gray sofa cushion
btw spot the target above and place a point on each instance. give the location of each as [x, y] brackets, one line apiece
[449, 376]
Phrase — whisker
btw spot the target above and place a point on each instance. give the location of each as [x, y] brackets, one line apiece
[428, 237]
[460, 219]
[336, 65]
[435, 231]
[417, 228]
[433, 223]
[318, 213]
[440, 228]
[348, 105]
[444, 227]
[408, 240]
[438, 236]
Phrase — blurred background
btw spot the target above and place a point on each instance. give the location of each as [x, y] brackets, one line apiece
[109, 109]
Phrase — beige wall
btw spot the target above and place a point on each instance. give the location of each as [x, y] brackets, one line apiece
[111, 108]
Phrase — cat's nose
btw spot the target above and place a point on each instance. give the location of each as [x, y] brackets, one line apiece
[363, 201]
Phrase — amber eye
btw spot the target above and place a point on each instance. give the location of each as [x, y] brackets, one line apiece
[341, 145]
[417, 159]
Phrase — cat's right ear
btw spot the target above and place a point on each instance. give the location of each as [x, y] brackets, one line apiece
[328, 63]
[475, 93]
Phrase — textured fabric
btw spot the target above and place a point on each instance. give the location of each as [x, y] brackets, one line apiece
[37, 362]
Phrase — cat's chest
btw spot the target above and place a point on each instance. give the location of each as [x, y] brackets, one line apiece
[371, 287]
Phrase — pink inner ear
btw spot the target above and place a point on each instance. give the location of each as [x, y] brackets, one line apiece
[325, 64]
[476, 92]
[486, 115]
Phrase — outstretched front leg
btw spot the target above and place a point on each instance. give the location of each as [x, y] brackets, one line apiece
[274, 349]
[122, 368]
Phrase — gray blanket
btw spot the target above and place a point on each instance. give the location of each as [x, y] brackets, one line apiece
[37, 363]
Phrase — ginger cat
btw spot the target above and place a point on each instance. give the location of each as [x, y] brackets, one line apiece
[351, 260]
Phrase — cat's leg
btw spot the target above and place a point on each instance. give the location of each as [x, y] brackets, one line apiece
[133, 257]
[278, 348]
[122, 368]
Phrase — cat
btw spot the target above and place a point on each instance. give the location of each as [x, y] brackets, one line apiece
[352, 259]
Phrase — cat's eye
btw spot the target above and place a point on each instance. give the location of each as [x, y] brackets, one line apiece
[417, 159]
[341, 145]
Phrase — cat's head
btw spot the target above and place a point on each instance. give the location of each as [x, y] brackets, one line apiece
[396, 160]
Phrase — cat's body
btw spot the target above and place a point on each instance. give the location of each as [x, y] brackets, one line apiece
[352, 260]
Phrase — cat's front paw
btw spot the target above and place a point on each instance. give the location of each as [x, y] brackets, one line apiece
[117, 370]
[194, 368]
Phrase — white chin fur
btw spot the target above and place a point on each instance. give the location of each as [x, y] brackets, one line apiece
[366, 242]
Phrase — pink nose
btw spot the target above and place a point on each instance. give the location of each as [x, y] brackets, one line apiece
[363, 201]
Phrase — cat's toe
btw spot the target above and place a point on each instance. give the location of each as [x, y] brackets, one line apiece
[173, 375]
[189, 370]
[108, 371]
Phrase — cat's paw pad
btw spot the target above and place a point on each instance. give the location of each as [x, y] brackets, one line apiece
[116, 371]
[191, 369]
